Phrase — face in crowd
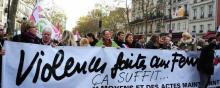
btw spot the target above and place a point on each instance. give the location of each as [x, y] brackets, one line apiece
[162, 39]
[33, 30]
[107, 35]
[129, 38]
[167, 40]
[46, 35]
[121, 36]
[142, 40]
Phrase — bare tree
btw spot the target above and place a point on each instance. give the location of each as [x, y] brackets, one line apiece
[127, 14]
[11, 17]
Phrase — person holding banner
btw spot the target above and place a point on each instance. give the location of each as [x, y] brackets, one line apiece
[154, 42]
[119, 39]
[46, 38]
[205, 64]
[2, 51]
[129, 41]
[186, 42]
[84, 42]
[28, 34]
[140, 42]
[67, 39]
[106, 40]
[92, 39]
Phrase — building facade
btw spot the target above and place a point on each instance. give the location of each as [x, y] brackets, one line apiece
[193, 16]
[177, 14]
[3, 13]
[218, 13]
[24, 10]
[147, 16]
[137, 19]
[202, 16]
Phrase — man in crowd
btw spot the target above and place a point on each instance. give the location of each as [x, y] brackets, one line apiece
[205, 64]
[106, 40]
[141, 42]
[167, 43]
[119, 39]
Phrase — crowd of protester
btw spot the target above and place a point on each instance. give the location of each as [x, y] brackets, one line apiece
[109, 39]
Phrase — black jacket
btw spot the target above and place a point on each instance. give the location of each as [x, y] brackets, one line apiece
[150, 45]
[2, 43]
[132, 45]
[93, 43]
[27, 38]
[119, 43]
[205, 62]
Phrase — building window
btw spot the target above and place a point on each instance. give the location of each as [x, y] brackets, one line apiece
[194, 29]
[151, 26]
[158, 28]
[209, 27]
[1, 3]
[178, 26]
[168, 27]
[186, 10]
[194, 13]
[174, 11]
[201, 29]
[210, 10]
[173, 26]
[195, 1]
[184, 26]
[202, 12]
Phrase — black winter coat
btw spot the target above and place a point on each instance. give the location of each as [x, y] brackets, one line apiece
[205, 62]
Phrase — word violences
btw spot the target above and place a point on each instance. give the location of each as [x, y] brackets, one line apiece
[94, 66]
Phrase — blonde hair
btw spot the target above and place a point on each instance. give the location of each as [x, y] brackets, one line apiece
[187, 35]
[68, 39]
[84, 42]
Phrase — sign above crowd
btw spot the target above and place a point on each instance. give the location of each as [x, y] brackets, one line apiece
[38, 66]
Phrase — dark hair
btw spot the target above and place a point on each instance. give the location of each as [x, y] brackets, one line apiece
[163, 34]
[127, 35]
[210, 39]
[218, 34]
[120, 32]
[154, 38]
[103, 32]
[140, 37]
[92, 36]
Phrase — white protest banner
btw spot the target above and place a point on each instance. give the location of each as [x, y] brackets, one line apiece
[38, 66]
